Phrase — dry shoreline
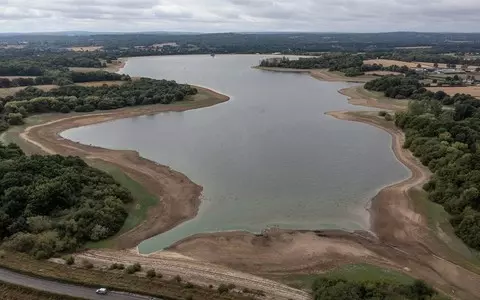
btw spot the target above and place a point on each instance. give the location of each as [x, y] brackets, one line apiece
[178, 195]
[320, 74]
[400, 231]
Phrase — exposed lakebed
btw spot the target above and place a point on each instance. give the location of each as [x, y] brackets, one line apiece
[268, 157]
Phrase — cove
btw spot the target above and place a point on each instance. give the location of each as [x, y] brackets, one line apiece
[268, 157]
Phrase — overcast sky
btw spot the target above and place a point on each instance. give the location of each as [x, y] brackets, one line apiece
[240, 15]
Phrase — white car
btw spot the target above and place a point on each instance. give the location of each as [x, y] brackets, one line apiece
[102, 291]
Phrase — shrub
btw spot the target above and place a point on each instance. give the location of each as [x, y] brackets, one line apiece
[86, 264]
[388, 117]
[120, 266]
[151, 273]
[15, 118]
[69, 260]
[222, 288]
[231, 286]
[2, 254]
[189, 285]
[130, 269]
[137, 267]
[40, 255]
[382, 113]
[159, 275]
[113, 266]
[177, 278]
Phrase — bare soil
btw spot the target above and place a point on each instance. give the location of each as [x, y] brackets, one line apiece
[322, 74]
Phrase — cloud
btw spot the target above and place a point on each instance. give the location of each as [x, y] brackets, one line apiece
[239, 15]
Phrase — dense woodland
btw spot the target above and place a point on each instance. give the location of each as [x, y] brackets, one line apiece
[36, 62]
[62, 78]
[255, 42]
[447, 141]
[51, 204]
[76, 98]
[340, 289]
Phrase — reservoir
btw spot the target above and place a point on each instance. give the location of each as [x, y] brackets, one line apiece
[268, 157]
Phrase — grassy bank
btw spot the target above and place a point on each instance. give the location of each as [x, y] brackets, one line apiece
[350, 272]
[443, 233]
[115, 280]
[15, 292]
[137, 211]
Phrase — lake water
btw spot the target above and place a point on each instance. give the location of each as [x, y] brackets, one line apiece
[268, 157]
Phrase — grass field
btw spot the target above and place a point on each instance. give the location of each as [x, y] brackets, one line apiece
[472, 90]
[439, 224]
[352, 272]
[101, 83]
[15, 77]
[4, 92]
[84, 49]
[137, 211]
[380, 97]
[15, 292]
[389, 62]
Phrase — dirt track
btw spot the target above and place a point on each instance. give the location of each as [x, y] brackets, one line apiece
[171, 264]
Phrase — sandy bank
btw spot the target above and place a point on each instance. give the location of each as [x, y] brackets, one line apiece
[322, 74]
[178, 195]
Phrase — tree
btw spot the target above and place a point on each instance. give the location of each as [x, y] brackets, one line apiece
[15, 119]
[151, 273]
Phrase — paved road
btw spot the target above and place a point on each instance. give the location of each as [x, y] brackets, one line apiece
[63, 288]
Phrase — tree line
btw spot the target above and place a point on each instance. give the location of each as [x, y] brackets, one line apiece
[342, 289]
[259, 42]
[350, 64]
[76, 98]
[446, 140]
[62, 78]
[52, 204]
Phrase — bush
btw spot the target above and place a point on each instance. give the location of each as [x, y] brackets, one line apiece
[15, 118]
[159, 275]
[86, 264]
[222, 288]
[2, 254]
[120, 266]
[113, 266]
[151, 273]
[137, 267]
[69, 260]
[382, 113]
[130, 270]
[189, 285]
[231, 286]
[388, 117]
[177, 278]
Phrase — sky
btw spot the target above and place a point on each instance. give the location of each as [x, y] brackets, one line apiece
[240, 15]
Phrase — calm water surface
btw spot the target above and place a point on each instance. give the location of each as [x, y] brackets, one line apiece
[267, 157]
